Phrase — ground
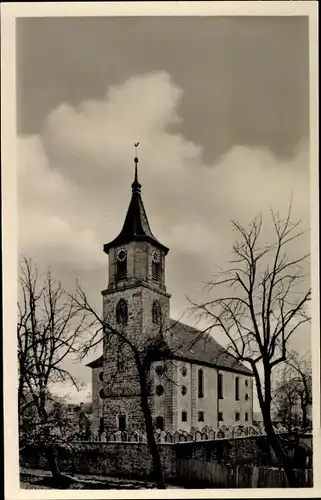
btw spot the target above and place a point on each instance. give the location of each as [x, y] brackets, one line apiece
[40, 479]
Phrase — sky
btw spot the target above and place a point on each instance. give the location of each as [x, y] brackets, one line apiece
[220, 106]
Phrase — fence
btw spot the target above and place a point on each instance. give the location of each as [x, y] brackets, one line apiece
[204, 434]
[193, 473]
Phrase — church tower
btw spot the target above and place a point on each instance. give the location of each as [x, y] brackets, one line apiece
[136, 304]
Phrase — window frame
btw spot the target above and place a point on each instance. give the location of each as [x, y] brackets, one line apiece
[220, 392]
[121, 269]
[237, 388]
[200, 414]
[200, 383]
[121, 317]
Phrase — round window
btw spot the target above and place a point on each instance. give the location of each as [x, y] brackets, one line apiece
[184, 371]
[101, 376]
[183, 390]
[160, 370]
[101, 393]
[159, 390]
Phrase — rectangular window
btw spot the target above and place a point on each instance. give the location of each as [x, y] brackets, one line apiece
[237, 416]
[121, 271]
[122, 422]
[220, 386]
[101, 426]
[237, 388]
[156, 271]
[246, 417]
[184, 416]
[201, 416]
[200, 383]
[220, 417]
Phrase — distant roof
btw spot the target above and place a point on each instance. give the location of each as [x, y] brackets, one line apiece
[97, 363]
[188, 343]
[136, 226]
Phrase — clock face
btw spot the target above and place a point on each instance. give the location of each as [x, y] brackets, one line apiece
[156, 256]
[121, 254]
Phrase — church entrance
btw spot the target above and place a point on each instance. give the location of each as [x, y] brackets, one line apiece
[160, 423]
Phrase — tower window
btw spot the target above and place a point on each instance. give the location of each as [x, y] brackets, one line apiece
[101, 426]
[184, 416]
[156, 271]
[122, 313]
[237, 388]
[201, 416]
[156, 313]
[120, 362]
[237, 416]
[220, 386]
[200, 383]
[246, 417]
[220, 416]
[246, 397]
[121, 266]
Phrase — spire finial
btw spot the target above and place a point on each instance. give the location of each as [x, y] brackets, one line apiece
[135, 185]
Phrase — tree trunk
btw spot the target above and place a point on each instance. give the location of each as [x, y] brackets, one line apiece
[283, 459]
[304, 416]
[157, 465]
[52, 463]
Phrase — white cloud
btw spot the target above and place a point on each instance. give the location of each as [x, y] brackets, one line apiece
[74, 186]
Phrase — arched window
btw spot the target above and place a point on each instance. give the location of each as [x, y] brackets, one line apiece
[160, 423]
[156, 313]
[156, 271]
[122, 312]
[200, 383]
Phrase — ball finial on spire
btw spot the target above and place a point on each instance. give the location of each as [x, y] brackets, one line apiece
[136, 186]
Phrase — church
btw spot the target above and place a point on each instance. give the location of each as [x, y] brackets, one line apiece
[199, 384]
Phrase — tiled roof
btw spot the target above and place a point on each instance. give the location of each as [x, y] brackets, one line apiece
[190, 344]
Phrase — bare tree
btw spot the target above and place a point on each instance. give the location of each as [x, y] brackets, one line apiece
[48, 330]
[302, 380]
[259, 301]
[285, 398]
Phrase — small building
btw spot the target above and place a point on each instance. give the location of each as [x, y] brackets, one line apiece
[198, 384]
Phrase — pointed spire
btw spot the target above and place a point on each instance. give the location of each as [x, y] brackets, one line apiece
[136, 186]
[136, 226]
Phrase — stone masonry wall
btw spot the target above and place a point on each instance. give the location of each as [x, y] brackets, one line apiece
[121, 385]
[97, 401]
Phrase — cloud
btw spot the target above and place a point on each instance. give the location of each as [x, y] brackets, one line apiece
[74, 187]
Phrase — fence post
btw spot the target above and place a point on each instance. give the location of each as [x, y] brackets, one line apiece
[255, 477]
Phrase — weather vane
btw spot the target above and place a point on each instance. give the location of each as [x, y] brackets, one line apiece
[136, 146]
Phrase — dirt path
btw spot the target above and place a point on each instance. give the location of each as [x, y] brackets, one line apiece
[41, 479]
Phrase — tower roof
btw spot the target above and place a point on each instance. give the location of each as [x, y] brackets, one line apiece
[136, 226]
